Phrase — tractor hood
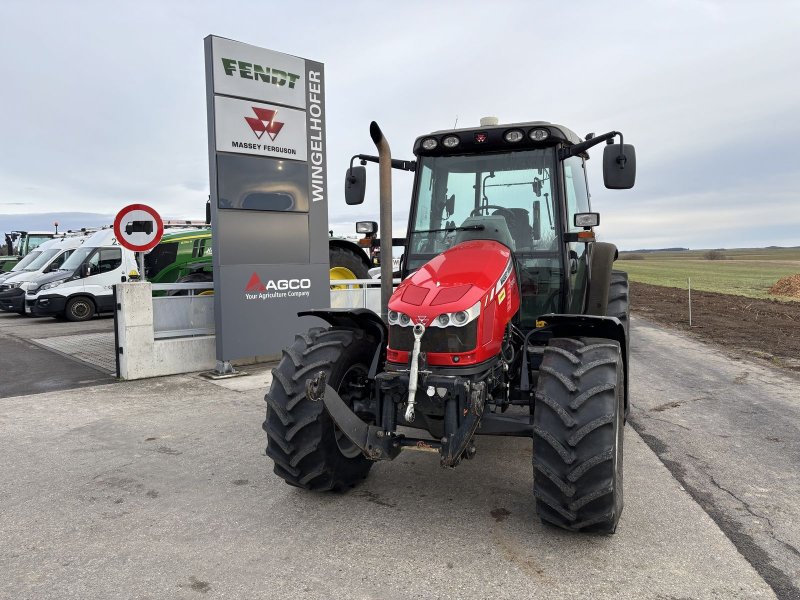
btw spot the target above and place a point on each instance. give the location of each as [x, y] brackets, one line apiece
[455, 280]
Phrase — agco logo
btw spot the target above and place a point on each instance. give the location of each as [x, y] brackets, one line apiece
[256, 289]
[264, 121]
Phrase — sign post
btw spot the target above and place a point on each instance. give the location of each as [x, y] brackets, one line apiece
[139, 228]
[269, 213]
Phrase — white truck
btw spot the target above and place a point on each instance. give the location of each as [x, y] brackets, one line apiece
[48, 257]
[83, 285]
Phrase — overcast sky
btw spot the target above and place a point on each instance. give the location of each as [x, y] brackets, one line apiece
[103, 103]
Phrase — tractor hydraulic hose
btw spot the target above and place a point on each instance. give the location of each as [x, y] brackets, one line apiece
[385, 172]
[419, 329]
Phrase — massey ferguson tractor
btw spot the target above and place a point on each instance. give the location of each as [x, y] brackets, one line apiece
[509, 320]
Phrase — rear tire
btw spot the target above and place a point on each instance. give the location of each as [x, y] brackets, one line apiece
[619, 299]
[199, 277]
[345, 261]
[578, 434]
[80, 308]
[302, 440]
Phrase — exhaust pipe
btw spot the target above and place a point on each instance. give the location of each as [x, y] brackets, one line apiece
[385, 172]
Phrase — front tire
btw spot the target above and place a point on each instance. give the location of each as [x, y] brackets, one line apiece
[307, 448]
[578, 434]
[79, 309]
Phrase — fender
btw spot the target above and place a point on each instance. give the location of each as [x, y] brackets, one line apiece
[592, 326]
[357, 318]
[601, 262]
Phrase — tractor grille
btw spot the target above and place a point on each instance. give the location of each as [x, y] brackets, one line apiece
[436, 339]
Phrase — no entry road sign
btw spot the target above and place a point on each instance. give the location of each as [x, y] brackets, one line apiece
[138, 227]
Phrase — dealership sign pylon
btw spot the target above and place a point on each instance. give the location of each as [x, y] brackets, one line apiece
[269, 206]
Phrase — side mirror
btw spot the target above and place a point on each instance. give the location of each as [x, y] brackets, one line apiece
[86, 270]
[537, 219]
[355, 185]
[208, 211]
[619, 166]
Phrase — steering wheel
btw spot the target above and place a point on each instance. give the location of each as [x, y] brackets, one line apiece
[502, 211]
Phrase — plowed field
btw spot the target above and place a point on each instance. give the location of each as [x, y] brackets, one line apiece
[766, 329]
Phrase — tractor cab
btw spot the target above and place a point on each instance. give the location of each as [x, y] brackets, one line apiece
[521, 185]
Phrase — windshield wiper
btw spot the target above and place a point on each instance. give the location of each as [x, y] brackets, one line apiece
[465, 228]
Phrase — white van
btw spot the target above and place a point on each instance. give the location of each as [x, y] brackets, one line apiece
[21, 264]
[51, 255]
[83, 286]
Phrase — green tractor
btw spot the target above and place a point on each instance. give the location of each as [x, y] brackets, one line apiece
[19, 243]
[185, 257]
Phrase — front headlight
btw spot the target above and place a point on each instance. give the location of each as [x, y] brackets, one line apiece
[12, 286]
[52, 284]
[458, 318]
[45, 286]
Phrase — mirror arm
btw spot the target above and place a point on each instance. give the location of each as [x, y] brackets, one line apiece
[350, 169]
[584, 146]
[621, 159]
[403, 165]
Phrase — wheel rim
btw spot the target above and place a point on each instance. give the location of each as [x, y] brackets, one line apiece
[80, 310]
[341, 274]
[350, 389]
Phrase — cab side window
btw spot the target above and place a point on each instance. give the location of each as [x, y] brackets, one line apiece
[577, 194]
[59, 260]
[109, 259]
[577, 202]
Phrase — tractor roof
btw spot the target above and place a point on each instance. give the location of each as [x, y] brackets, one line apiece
[176, 235]
[491, 138]
[565, 132]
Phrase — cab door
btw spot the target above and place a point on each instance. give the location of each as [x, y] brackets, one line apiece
[105, 269]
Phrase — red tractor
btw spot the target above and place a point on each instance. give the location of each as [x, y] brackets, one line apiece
[509, 321]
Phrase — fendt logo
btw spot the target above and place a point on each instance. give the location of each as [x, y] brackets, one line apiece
[256, 289]
[264, 121]
[256, 72]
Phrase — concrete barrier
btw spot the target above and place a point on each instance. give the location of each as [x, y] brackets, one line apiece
[140, 354]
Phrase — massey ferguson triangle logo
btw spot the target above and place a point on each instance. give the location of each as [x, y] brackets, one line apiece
[264, 121]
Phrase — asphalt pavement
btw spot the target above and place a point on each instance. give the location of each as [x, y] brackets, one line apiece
[160, 489]
[728, 428]
[29, 368]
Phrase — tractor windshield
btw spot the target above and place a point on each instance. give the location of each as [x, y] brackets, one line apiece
[457, 191]
[510, 192]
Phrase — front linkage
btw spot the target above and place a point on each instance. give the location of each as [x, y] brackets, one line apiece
[460, 401]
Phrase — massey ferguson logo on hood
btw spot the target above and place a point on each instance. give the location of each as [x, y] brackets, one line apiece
[256, 289]
[264, 121]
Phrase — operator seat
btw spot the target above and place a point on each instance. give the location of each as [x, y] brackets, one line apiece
[520, 228]
[495, 228]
